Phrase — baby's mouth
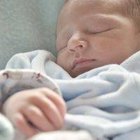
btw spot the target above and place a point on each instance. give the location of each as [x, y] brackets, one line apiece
[82, 63]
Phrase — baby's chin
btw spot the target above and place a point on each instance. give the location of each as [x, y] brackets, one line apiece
[76, 73]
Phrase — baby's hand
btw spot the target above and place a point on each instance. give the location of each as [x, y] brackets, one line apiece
[32, 111]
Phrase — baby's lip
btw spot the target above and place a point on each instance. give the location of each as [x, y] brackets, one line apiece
[80, 61]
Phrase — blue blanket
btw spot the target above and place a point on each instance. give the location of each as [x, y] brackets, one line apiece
[6, 129]
[104, 101]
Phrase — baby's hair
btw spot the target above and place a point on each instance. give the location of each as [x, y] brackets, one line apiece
[129, 8]
[132, 7]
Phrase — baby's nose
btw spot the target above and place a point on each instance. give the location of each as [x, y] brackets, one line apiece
[77, 43]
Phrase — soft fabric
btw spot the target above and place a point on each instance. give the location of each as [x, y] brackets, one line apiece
[103, 101]
[63, 135]
[12, 81]
[6, 129]
[27, 25]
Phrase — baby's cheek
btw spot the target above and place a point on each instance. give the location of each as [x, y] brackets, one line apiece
[60, 62]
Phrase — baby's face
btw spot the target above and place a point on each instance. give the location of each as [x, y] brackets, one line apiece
[90, 36]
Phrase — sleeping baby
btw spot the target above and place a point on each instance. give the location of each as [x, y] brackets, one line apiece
[95, 78]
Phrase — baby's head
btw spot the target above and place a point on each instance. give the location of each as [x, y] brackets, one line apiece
[93, 33]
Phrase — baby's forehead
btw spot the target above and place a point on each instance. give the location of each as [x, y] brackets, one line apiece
[119, 4]
[109, 5]
[76, 7]
[73, 7]
[126, 8]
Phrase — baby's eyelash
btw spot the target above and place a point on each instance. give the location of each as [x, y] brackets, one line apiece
[102, 31]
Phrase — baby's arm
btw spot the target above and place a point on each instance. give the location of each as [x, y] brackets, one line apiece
[32, 111]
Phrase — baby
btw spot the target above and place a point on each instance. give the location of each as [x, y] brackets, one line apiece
[93, 33]
[90, 34]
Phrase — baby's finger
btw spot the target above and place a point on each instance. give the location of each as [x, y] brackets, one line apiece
[37, 118]
[50, 111]
[22, 124]
[57, 100]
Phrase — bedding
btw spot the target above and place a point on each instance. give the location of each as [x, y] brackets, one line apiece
[27, 25]
[103, 101]
[6, 129]
[63, 135]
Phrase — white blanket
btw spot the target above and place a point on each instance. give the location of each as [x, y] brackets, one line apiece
[103, 101]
